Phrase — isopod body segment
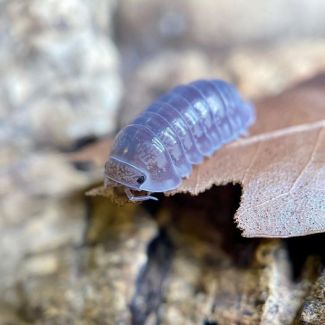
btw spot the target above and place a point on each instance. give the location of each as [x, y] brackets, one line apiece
[177, 131]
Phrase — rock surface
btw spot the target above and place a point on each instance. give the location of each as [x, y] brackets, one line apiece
[59, 81]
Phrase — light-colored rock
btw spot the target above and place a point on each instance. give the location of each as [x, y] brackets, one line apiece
[313, 309]
[89, 283]
[59, 83]
[59, 78]
[261, 71]
[146, 27]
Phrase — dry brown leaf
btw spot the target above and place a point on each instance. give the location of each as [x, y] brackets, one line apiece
[281, 166]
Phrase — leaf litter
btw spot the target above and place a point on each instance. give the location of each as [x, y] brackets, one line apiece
[280, 165]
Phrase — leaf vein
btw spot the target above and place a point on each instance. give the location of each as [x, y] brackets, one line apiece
[278, 133]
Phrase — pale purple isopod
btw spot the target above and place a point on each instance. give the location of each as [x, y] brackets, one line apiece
[182, 127]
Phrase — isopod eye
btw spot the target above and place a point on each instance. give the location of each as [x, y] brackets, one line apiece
[140, 180]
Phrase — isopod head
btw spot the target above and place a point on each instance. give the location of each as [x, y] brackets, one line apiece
[139, 161]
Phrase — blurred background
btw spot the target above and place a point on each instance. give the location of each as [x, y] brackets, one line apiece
[72, 72]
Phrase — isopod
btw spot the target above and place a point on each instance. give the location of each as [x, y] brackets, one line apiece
[188, 123]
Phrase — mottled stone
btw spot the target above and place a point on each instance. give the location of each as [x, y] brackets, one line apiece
[260, 71]
[92, 282]
[59, 80]
[145, 27]
[59, 85]
[313, 308]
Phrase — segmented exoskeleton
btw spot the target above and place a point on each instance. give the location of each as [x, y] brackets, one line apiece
[183, 126]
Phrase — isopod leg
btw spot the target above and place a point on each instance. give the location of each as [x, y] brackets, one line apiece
[134, 198]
